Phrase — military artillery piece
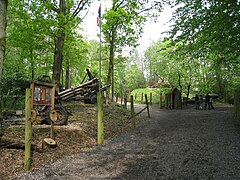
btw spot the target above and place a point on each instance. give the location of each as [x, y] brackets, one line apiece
[47, 104]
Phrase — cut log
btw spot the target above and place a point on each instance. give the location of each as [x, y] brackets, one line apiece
[11, 143]
[49, 142]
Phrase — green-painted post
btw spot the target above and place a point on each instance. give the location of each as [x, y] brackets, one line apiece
[100, 118]
[28, 130]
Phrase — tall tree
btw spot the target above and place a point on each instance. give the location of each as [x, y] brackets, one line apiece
[124, 25]
[212, 25]
[64, 16]
[3, 25]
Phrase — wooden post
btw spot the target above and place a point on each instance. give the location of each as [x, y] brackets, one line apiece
[237, 105]
[28, 130]
[150, 98]
[135, 96]
[147, 106]
[125, 100]
[142, 99]
[160, 102]
[132, 112]
[52, 108]
[100, 118]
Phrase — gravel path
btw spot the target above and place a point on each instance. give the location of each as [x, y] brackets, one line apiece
[172, 144]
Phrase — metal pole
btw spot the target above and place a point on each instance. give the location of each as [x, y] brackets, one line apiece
[100, 51]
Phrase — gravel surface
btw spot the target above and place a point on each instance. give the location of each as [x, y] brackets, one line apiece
[172, 144]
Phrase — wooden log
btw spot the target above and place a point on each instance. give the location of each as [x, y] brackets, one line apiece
[10, 143]
[49, 142]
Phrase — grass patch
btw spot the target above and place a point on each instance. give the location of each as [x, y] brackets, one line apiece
[137, 94]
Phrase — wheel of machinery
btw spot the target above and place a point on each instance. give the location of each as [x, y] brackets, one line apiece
[93, 99]
[61, 116]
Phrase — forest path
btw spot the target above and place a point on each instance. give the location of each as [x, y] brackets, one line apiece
[172, 144]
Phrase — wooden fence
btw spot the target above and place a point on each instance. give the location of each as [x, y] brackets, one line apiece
[237, 105]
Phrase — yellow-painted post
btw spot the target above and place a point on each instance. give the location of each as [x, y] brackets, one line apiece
[100, 118]
[147, 106]
[28, 130]
[132, 112]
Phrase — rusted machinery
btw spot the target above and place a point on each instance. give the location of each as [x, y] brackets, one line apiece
[47, 104]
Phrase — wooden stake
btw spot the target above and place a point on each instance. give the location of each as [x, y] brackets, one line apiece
[28, 130]
[150, 98]
[147, 106]
[160, 102]
[132, 112]
[100, 118]
[125, 100]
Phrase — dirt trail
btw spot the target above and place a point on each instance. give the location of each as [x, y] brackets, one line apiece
[172, 144]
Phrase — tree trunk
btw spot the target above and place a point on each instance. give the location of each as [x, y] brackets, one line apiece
[3, 25]
[68, 75]
[32, 64]
[59, 42]
[110, 76]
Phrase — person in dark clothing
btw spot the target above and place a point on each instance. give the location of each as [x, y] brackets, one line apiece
[201, 102]
[211, 102]
[207, 102]
[196, 98]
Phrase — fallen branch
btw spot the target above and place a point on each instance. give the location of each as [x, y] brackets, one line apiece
[11, 143]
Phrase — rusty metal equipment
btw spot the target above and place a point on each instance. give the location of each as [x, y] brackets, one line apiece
[47, 104]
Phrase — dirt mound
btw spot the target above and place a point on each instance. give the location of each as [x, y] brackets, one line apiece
[78, 136]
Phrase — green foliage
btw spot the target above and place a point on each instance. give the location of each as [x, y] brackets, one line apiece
[201, 54]
[134, 78]
[13, 87]
[125, 19]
